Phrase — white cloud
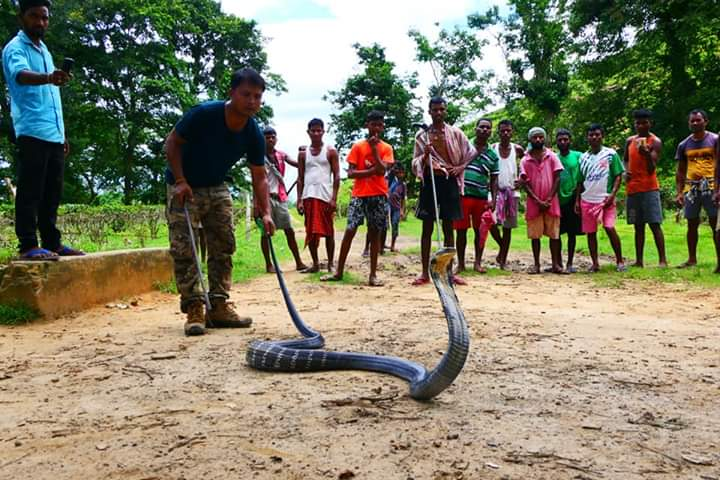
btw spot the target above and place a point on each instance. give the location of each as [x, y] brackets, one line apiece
[315, 55]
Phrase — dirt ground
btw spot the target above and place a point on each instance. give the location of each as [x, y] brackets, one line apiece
[565, 380]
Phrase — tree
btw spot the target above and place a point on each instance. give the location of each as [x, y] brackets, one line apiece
[669, 48]
[453, 58]
[535, 42]
[139, 65]
[376, 87]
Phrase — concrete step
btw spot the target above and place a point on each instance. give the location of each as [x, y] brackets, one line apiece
[56, 288]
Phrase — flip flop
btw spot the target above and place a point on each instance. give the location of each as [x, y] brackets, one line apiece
[38, 254]
[420, 281]
[458, 280]
[621, 268]
[571, 270]
[66, 251]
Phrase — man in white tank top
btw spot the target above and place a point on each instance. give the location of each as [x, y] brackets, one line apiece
[506, 203]
[318, 184]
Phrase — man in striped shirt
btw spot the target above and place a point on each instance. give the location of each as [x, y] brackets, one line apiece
[480, 182]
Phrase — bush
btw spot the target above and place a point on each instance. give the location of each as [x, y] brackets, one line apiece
[16, 313]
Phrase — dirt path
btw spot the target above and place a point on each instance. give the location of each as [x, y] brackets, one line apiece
[564, 380]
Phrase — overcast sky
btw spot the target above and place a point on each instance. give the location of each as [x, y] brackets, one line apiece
[309, 43]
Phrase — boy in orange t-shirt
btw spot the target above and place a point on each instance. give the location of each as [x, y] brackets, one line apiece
[642, 152]
[368, 160]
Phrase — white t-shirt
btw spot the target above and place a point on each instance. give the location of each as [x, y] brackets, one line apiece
[598, 172]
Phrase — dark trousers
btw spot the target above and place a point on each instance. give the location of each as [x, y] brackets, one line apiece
[39, 188]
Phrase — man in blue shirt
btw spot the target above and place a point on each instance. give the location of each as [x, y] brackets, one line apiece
[206, 142]
[37, 117]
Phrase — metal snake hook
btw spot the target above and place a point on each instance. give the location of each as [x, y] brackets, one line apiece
[206, 297]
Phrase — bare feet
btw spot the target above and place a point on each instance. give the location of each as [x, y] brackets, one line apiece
[594, 269]
[570, 269]
[479, 268]
[458, 280]
[663, 264]
[638, 265]
[687, 264]
[312, 269]
[534, 270]
[269, 269]
[374, 282]
[300, 267]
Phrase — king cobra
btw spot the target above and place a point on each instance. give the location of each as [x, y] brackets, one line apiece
[302, 355]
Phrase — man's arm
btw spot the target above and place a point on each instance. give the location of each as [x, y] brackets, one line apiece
[652, 154]
[578, 197]
[680, 175]
[555, 186]
[377, 168]
[300, 181]
[173, 153]
[57, 78]
[493, 190]
[616, 186]
[334, 160]
[290, 161]
[262, 197]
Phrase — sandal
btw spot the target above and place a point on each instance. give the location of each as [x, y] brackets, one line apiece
[458, 280]
[420, 281]
[66, 251]
[38, 254]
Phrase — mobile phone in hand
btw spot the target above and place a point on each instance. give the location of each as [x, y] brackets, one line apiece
[68, 64]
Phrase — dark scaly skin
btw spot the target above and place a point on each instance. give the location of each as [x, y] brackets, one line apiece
[301, 355]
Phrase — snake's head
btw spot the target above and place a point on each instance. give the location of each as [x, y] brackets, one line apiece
[441, 259]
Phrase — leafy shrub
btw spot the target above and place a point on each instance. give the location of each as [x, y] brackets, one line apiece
[16, 313]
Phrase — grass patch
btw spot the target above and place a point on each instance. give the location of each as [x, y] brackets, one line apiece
[675, 246]
[166, 287]
[17, 313]
[349, 278]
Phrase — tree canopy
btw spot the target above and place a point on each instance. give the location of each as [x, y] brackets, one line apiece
[139, 65]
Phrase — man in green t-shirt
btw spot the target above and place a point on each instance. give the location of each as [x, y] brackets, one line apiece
[478, 198]
[570, 222]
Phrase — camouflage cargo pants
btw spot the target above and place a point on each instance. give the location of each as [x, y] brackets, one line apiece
[211, 207]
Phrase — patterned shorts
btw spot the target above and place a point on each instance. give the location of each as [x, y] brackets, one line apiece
[375, 209]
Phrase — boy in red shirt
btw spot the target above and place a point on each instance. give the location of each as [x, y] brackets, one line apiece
[368, 160]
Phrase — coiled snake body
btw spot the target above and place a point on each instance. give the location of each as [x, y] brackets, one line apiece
[302, 355]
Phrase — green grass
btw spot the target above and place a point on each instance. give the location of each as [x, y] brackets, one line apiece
[348, 278]
[16, 313]
[675, 246]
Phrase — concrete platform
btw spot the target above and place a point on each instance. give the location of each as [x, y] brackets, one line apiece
[75, 283]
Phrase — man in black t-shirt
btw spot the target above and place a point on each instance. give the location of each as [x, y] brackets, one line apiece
[206, 142]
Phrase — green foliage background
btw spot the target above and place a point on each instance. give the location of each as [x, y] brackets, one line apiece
[139, 65]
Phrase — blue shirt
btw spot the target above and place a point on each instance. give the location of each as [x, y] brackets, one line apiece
[36, 109]
[212, 148]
